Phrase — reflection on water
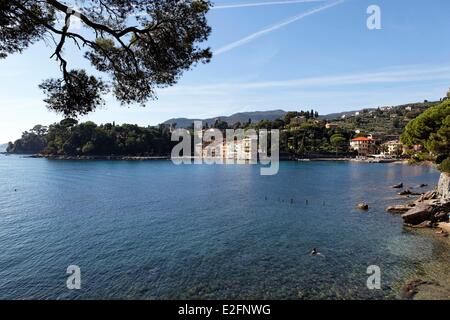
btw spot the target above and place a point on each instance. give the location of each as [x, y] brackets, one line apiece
[152, 230]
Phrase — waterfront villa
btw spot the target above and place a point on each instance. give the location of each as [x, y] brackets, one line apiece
[363, 145]
[393, 148]
[240, 150]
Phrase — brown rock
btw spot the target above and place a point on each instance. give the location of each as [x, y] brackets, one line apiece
[442, 233]
[410, 289]
[408, 192]
[428, 196]
[363, 206]
[418, 214]
[441, 216]
[399, 208]
[425, 224]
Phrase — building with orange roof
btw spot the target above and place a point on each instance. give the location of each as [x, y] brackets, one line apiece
[363, 145]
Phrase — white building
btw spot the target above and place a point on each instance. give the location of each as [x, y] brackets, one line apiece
[241, 150]
[393, 148]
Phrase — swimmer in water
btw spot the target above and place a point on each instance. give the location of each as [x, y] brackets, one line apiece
[314, 252]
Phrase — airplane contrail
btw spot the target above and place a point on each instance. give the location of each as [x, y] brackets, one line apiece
[274, 27]
[257, 4]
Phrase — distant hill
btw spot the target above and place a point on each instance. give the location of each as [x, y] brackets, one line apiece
[234, 118]
[3, 147]
[349, 114]
[388, 122]
[256, 116]
[339, 115]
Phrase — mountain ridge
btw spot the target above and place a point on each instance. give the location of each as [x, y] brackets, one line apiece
[271, 115]
[255, 116]
[242, 117]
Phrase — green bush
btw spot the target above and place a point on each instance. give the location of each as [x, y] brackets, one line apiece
[445, 165]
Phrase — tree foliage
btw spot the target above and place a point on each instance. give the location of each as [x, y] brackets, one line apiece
[32, 141]
[69, 138]
[431, 129]
[79, 96]
[307, 114]
[445, 166]
[339, 142]
[17, 32]
[141, 45]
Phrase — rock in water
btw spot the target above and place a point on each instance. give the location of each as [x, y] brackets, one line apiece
[408, 192]
[418, 214]
[363, 206]
[398, 186]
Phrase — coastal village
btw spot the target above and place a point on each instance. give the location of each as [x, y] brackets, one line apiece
[424, 209]
[371, 135]
[362, 148]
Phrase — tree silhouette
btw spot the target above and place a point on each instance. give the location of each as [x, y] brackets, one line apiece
[140, 45]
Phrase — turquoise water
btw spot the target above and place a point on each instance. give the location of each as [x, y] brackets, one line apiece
[153, 230]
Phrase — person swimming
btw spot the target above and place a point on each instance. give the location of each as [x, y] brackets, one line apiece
[314, 252]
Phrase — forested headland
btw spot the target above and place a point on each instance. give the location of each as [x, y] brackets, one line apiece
[70, 138]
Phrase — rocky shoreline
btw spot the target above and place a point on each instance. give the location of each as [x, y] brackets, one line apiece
[168, 157]
[430, 210]
[400, 161]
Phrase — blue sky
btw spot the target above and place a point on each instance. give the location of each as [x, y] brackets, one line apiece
[271, 54]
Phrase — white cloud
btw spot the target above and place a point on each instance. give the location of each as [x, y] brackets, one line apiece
[405, 74]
